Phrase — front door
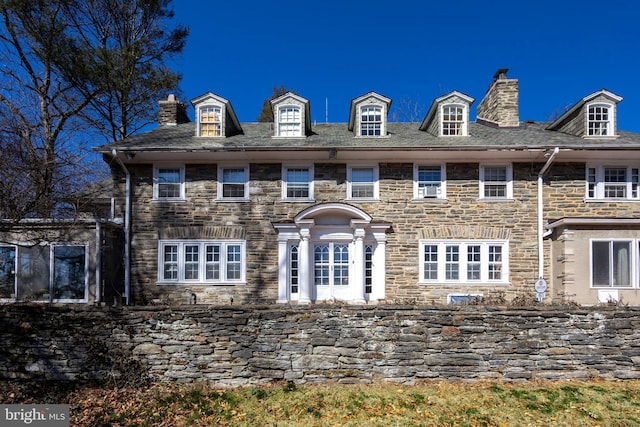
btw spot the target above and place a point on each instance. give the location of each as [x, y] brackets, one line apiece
[331, 271]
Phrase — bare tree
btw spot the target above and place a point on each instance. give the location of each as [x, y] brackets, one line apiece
[266, 113]
[407, 110]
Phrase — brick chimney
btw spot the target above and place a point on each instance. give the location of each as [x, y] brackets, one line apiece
[500, 105]
[172, 112]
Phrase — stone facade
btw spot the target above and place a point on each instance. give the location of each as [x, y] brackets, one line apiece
[255, 345]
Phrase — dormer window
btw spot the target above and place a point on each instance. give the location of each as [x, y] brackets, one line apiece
[210, 121]
[453, 120]
[215, 117]
[371, 121]
[599, 120]
[368, 115]
[289, 121]
[448, 115]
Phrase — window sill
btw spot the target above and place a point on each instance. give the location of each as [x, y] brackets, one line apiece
[467, 284]
[611, 200]
[430, 200]
[363, 200]
[181, 200]
[294, 200]
[496, 199]
[181, 284]
[233, 200]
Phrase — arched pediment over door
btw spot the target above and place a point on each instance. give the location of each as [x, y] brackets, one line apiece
[331, 251]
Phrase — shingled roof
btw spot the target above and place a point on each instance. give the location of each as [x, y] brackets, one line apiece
[259, 137]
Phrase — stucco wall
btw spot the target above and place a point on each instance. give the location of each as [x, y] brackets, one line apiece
[253, 345]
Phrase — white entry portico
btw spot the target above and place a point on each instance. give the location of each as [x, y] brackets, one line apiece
[331, 251]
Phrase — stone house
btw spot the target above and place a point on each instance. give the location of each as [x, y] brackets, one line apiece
[216, 211]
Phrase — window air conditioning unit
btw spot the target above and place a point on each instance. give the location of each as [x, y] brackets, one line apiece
[428, 192]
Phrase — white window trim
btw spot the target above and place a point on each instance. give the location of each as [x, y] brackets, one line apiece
[634, 262]
[509, 183]
[462, 280]
[278, 121]
[220, 197]
[311, 181]
[442, 190]
[599, 190]
[383, 124]
[201, 262]
[15, 271]
[156, 177]
[199, 121]
[610, 120]
[376, 182]
[465, 118]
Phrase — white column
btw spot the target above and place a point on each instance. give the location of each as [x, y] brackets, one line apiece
[378, 291]
[357, 275]
[304, 285]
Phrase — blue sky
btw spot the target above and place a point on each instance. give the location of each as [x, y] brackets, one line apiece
[560, 51]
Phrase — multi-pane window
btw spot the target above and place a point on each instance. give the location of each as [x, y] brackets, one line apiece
[331, 264]
[362, 182]
[233, 182]
[210, 121]
[453, 122]
[599, 120]
[612, 182]
[371, 121]
[429, 181]
[294, 268]
[495, 181]
[611, 263]
[168, 183]
[201, 261]
[463, 261]
[297, 183]
[368, 269]
[289, 121]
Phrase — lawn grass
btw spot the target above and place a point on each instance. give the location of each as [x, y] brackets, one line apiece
[562, 403]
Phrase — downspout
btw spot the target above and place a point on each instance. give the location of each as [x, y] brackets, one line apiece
[98, 266]
[127, 229]
[541, 211]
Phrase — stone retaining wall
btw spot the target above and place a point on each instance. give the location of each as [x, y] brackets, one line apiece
[253, 345]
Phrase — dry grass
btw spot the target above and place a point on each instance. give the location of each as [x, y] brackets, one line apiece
[593, 403]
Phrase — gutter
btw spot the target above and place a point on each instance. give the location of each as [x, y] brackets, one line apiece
[98, 275]
[541, 212]
[127, 229]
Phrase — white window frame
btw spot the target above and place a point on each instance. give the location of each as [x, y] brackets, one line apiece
[289, 121]
[633, 261]
[220, 111]
[285, 183]
[508, 184]
[608, 123]
[597, 188]
[373, 132]
[202, 262]
[221, 183]
[461, 125]
[443, 263]
[420, 192]
[375, 184]
[157, 183]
